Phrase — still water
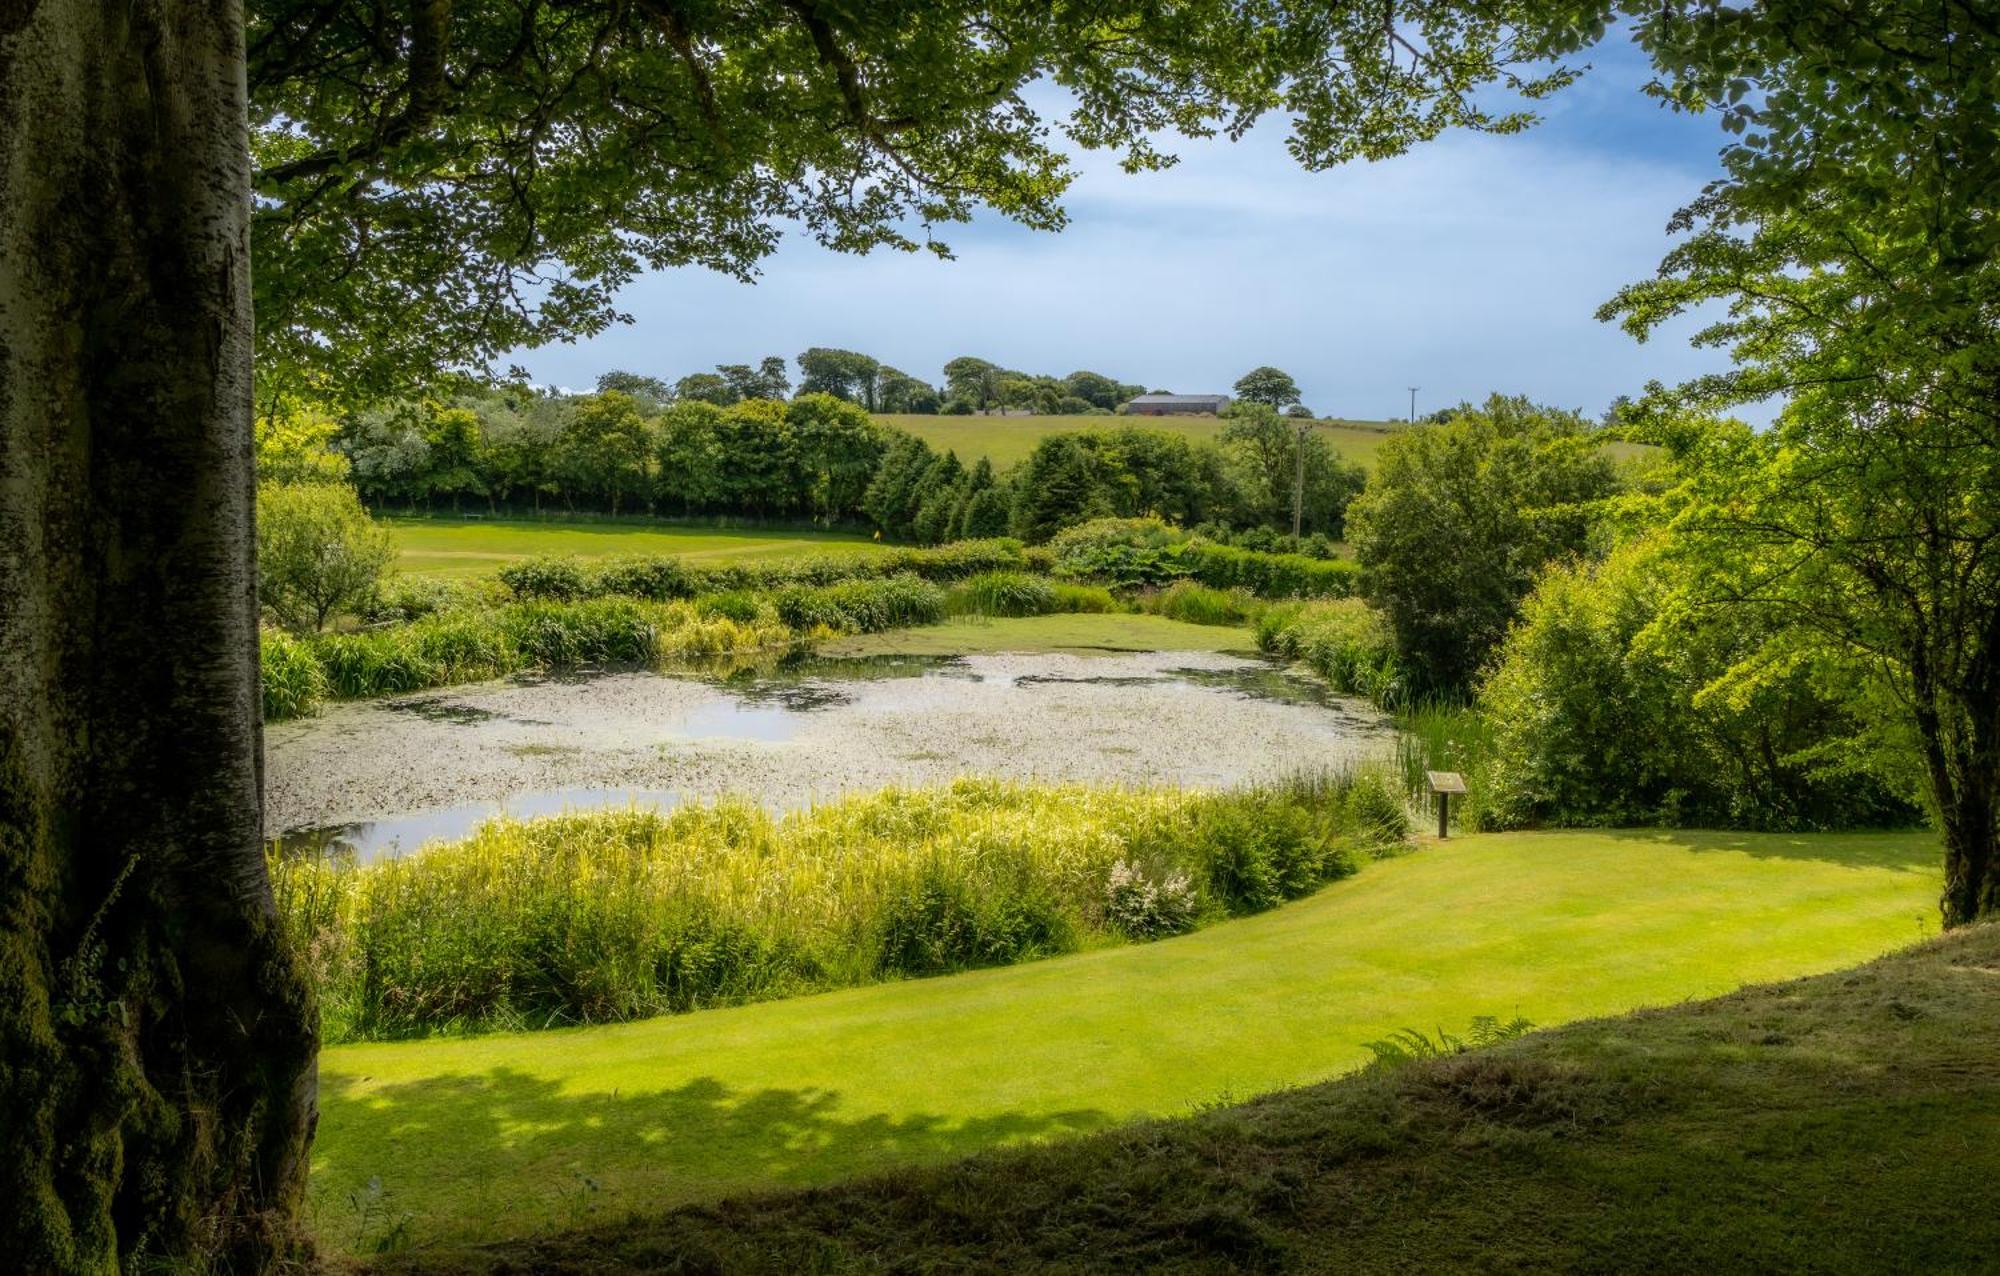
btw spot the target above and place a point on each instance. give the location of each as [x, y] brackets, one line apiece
[385, 777]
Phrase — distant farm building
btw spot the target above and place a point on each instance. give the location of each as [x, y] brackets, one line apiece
[1177, 404]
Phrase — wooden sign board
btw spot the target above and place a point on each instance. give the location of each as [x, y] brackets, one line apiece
[1445, 781]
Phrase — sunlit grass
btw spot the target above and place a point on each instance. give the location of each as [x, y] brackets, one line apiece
[445, 546]
[487, 1137]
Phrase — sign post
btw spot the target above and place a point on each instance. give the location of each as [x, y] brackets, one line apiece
[1444, 784]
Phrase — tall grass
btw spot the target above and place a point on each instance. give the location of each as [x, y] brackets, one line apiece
[294, 682]
[1441, 736]
[615, 915]
[1345, 641]
[1199, 604]
[458, 646]
[1022, 594]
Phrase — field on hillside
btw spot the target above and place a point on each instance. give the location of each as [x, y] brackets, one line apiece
[511, 1135]
[445, 546]
[1008, 440]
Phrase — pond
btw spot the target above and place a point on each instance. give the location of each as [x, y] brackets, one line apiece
[383, 777]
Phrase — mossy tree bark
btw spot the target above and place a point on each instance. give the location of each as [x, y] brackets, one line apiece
[156, 1040]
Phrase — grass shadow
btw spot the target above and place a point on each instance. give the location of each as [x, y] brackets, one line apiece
[1903, 849]
[596, 1155]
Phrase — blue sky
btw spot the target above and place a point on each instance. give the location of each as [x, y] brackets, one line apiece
[1468, 266]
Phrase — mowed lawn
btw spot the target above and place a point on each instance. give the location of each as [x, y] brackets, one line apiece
[476, 547]
[1007, 440]
[512, 1135]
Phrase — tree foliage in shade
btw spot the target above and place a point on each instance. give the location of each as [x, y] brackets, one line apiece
[318, 553]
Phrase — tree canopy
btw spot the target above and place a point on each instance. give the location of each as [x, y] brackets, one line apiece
[437, 184]
[1268, 386]
[1851, 242]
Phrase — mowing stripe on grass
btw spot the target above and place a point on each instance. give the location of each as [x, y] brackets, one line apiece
[507, 1135]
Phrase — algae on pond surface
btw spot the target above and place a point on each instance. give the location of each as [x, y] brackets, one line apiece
[384, 777]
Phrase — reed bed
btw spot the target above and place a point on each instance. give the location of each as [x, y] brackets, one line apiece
[472, 643]
[1345, 641]
[622, 914]
[1197, 604]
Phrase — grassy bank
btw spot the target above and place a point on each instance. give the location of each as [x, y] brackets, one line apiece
[1848, 1123]
[617, 915]
[496, 1136]
[458, 547]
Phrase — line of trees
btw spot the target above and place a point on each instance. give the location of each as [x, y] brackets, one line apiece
[817, 457]
[970, 385]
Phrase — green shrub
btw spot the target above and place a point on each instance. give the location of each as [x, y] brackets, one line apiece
[1139, 906]
[408, 598]
[1071, 597]
[658, 579]
[959, 560]
[547, 579]
[1604, 714]
[1149, 552]
[862, 606]
[1269, 575]
[738, 605]
[294, 683]
[937, 923]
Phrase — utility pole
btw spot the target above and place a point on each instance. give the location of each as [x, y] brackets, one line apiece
[1413, 403]
[1299, 485]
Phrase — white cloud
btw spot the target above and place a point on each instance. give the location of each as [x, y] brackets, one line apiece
[1470, 266]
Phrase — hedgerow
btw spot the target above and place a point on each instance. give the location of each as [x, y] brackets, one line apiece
[1149, 552]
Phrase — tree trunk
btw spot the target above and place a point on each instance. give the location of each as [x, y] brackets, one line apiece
[1971, 861]
[156, 1039]
[1969, 809]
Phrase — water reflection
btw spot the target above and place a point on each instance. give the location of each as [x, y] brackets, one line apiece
[397, 835]
[775, 704]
